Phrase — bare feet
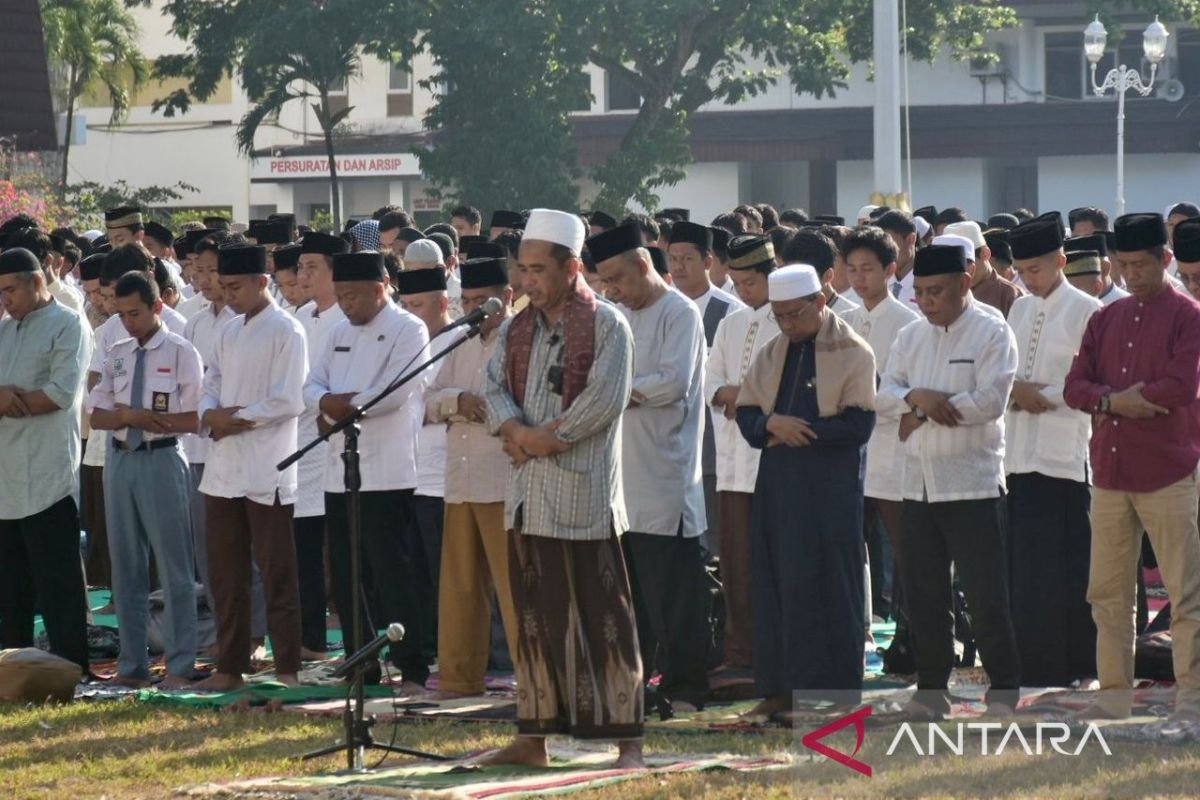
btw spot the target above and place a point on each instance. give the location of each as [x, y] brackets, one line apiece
[629, 755]
[412, 688]
[219, 682]
[175, 682]
[105, 610]
[528, 751]
[132, 683]
[769, 706]
[312, 655]
[288, 679]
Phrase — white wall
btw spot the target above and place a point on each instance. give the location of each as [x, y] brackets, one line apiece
[708, 190]
[1152, 181]
[940, 182]
[200, 157]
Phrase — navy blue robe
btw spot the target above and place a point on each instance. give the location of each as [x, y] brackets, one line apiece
[806, 543]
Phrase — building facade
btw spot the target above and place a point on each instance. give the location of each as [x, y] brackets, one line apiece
[1024, 131]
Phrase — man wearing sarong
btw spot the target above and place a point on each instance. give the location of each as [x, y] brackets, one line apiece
[561, 376]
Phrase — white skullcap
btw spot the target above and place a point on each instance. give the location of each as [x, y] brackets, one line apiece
[559, 227]
[922, 227]
[423, 251]
[865, 211]
[92, 235]
[954, 240]
[969, 230]
[792, 283]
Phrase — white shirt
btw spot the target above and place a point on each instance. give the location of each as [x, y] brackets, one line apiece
[852, 296]
[172, 378]
[68, 295]
[739, 338]
[1048, 332]
[727, 287]
[258, 364]
[431, 438]
[112, 331]
[201, 330]
[885, 452]
[364, 359]
[842, 305]
[192, 306]
[907, 293]
[702, 301]
[310, 494]
[975, 359]
[1113, 294]
[661, 431]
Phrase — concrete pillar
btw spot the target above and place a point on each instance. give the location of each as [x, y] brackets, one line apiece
[887, 98]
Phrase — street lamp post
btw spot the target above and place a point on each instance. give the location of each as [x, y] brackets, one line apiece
[1121, 79]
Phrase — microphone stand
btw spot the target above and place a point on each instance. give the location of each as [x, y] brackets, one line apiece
[357, 737]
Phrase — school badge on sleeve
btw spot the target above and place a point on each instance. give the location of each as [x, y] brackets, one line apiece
[160, 401]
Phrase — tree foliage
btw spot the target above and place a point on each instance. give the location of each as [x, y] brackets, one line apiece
[681, 55]
[511, 73]
[94, 43]
[280, 51]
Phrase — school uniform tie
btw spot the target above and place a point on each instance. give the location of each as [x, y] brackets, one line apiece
[133, 436]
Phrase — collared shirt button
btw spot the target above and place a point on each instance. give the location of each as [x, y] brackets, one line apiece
[1114, 449]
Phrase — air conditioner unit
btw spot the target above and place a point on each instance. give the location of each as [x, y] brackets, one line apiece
[989, 64]
[1171, 90]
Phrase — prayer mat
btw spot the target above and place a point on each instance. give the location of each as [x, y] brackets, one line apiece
[259, 693]
[572, 769]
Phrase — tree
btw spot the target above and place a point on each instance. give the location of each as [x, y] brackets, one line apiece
[280, 51]
[87, 201]
[501, 136]
[95, 43]
[680, 55]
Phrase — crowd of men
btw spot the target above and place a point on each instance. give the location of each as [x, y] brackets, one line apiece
[919, 416]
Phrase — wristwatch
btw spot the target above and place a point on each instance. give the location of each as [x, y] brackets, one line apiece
[919, 414]
[1106, 404]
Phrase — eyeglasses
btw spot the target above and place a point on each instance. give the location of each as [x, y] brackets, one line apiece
[791, 316]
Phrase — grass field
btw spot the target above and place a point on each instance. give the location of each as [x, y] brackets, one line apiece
[123, 750]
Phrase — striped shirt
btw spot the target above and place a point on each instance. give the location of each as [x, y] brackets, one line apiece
[575, 495]
[975, 359]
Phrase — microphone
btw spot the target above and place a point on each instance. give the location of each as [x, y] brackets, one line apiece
[394, 633]
[490, 308]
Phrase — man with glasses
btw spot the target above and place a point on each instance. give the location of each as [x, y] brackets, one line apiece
[808, 403]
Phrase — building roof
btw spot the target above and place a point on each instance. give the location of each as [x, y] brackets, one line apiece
[26, 107]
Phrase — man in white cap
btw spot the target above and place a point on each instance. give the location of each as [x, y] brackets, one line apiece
[425, 254]
[808, 402]
[986, 284]
[556, 388]
[661, 438]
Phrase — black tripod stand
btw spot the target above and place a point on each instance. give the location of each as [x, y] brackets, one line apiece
[358, 737]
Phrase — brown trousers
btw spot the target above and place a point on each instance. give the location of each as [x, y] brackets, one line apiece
[579, 671]
[735, 579]
[235, 526]
[474, 563]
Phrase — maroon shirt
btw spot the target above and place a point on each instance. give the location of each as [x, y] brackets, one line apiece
[1156, 342]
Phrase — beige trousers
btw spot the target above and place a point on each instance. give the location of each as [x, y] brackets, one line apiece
[474, 562]
[1168, 516]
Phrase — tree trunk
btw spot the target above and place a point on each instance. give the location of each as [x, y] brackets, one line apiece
[66, 151]
[335, 198]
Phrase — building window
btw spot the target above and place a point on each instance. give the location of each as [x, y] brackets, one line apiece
[400, 94]
[1187, 63]
[1064, 67]
[622, 96]
[339, 100]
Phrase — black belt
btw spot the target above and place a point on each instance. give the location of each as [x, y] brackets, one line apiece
[154, 444]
